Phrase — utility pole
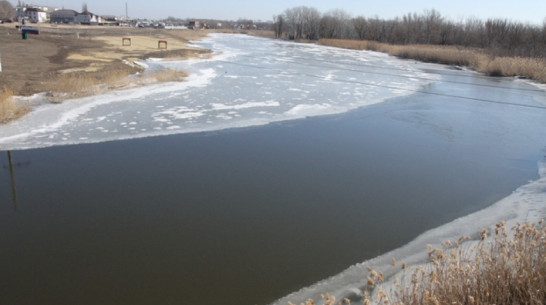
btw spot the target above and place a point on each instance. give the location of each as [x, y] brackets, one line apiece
[126, 12]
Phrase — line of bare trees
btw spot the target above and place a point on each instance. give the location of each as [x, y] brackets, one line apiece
[500, 36]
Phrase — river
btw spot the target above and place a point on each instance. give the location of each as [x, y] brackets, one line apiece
[275, 166]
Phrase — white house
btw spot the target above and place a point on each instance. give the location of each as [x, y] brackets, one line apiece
[36, 15]
[88, 18]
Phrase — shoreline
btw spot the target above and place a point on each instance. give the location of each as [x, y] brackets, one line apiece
[456, 56]
[65, 62]
[107, 59]
[525, 204]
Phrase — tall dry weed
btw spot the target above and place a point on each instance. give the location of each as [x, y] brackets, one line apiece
[9, 108]
[79, 84]
[477, 59]
[508, 269]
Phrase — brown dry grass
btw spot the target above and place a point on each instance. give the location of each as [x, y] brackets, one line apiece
[508, 269]
[479, 60]
[63, 52]
[78, 84]
[74, 61]
[9, 108]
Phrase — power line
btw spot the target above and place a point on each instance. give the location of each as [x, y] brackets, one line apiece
[405, 70]
[400, 88]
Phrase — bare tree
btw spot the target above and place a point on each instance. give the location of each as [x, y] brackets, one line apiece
[278, 24]
[311, 23]
[6, 10]
[500, 36]
[336, 24]
[360, 25]
[302, 22]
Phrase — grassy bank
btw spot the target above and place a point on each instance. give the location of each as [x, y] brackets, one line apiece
[479, 60]
[74, 61]
[80, 84]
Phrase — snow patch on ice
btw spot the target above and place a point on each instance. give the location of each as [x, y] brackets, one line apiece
[219, 106]
[303, 110]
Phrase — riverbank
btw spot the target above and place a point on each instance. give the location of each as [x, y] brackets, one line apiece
[476, 59]
[74, 61]
[492, 255]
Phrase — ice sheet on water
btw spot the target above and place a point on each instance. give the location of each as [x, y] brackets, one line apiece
[262, 80]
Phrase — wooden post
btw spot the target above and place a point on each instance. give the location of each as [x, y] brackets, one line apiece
[126, 40]
[162, 43]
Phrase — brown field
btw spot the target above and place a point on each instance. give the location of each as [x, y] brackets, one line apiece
[64, 56]
[479, 60]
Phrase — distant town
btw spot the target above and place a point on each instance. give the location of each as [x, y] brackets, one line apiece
[36, 14]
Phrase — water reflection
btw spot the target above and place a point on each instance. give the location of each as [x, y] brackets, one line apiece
[12, 180]
[13, 183]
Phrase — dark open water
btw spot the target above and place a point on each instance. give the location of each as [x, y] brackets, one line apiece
[245, 216]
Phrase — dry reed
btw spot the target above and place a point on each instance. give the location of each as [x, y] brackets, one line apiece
[477, 59]
[9, 108]
[508, 269]
[78, 84]
[167, 75]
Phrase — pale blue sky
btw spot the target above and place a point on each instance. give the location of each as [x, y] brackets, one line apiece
[532, 11]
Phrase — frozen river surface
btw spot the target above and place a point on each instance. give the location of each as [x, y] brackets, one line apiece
[250, 81]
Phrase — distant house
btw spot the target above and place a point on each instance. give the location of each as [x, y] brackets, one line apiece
[88, 18]
[194, 24]
[33, 13]
[36, 15]
[113, 20]
[63, 16]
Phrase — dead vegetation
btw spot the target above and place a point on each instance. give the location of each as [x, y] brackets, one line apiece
[9, 108]
[505, 269]
[74, 61]
[477, 59]
[79, 84]
[508, 269]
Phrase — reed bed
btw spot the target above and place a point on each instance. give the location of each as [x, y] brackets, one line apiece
[506, 268]
[167, 75]
[9, 108]
[78, 84]
[477, 59]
